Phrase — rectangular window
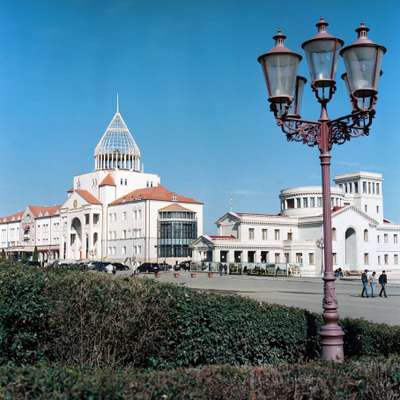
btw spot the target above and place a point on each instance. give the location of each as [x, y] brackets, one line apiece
[87, 219]
[311, 260]
[290, 236]
[396, 259]
[298, 202]
[377, 209]
[366, 259]
[124, 234]
[299, 258]
[364, 187]
[334, 258]
[378, 239]
[124, 250]
[386, 259]
[373, 187]
[277, 234]
[312, 202]
[379, 260]
[369, 187]
[385, 238]
[319, 202]
[355, 187]
[305, 202]
[365, 208]
[277, 258]
[265, 234]
[395, 238]
[287, 258]
[377, 188]
[251, 233]
[96, 218]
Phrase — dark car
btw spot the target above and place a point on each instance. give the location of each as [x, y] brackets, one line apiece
[149, 268]
[32, 263]
[185, 265]
[120, 267]
[100, 266]
[164, 266]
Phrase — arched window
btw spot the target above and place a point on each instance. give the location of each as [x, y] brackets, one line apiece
[333, 233]
[365, 235]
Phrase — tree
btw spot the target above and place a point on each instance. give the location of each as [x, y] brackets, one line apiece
[35, 256]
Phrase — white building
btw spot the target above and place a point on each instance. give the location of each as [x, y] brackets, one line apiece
[115, 212]
[362, 237]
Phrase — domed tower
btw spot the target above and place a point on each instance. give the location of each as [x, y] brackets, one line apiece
[117, 149]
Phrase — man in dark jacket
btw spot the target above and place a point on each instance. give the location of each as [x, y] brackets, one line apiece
[364, 280]
[383, 281]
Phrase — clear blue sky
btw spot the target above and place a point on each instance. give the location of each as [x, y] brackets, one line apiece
[190, 90]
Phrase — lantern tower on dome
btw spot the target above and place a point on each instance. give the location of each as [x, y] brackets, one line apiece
[117, 149]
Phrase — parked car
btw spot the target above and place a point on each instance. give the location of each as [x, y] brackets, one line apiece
[32, 263]
[149, 268]
[100, 266]
[120, 267]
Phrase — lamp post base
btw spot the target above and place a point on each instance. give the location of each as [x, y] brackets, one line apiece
[331, 333]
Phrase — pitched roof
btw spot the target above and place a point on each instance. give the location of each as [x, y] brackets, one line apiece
[11, 218]
[224, 237]
[108, 181]
[154, 193]
[87, 196]
[174, 207]
[44, 211]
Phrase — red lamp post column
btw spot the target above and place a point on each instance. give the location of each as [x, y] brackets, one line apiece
[331, 333]
[362, 60]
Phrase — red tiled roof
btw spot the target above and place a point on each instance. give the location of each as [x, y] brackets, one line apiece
[222, 237]
[174, 207]
[44, 211]
[108, 181]
[154, 193]
[11, 218]
[386, 221]
[87, 196]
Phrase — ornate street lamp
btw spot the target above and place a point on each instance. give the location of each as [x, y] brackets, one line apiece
[363, 62]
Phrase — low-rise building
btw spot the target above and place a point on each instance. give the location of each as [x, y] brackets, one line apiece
[362, 237]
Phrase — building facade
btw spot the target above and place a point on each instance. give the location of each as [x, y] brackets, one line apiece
[116, 212]
[362, 237]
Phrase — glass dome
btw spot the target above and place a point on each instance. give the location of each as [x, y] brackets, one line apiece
[117, 149]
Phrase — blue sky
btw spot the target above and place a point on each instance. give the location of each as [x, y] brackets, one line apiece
[190, 89]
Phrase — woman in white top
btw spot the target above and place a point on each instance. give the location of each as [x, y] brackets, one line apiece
[373, 282]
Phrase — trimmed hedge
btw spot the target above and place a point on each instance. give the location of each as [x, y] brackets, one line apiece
[92, 320]
[364, 379]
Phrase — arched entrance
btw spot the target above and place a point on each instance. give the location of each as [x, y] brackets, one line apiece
[76, 239]
[351, 248]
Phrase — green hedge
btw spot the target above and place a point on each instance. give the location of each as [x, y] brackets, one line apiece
[363, 379]
[94, 320]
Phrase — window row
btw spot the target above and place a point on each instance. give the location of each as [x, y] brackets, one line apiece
[367, 187]
[137, 214]
[309, 202]
[264, 234]
[136, 233]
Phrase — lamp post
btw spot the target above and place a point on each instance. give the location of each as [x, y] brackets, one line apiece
[362, 60]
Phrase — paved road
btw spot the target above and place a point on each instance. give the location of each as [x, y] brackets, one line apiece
[300, 292]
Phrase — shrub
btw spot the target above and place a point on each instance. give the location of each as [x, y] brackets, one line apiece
[93, 320]
[364, 379]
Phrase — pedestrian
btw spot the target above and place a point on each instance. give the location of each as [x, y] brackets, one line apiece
[383, 281]
[221, 269]
[373, 281]
[364, 280]
[226, 269]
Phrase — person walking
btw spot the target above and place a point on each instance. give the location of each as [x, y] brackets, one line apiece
[364, 280]
[373, 281]
[383, 281]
